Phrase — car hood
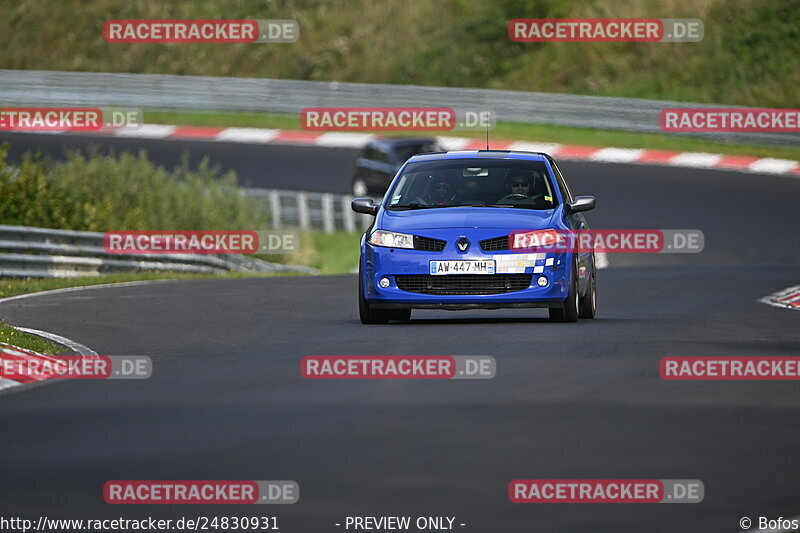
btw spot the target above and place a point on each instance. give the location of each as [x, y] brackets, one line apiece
[465, 217]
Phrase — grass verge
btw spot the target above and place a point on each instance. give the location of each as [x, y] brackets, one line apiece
[15, 337]
[331, 253]
[510, 131]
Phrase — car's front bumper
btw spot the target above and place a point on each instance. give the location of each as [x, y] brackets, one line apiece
[380, 262]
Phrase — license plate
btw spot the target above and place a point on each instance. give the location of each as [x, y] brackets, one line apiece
[443, 268]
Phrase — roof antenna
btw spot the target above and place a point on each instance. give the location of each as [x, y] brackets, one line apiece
[487, 136]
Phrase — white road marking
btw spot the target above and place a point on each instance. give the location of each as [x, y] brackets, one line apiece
[147, 131]
[548, 148]
[773, 166]
[695, 160]
[345, 140]
[8, 383]
[80, 288]
[247, 135]
[72, 345]
[616, 155]
[453, 143]
[350, 140]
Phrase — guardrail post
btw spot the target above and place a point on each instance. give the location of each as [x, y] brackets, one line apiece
[348, 220]
[275, 207]
[366, 220]
[302, 210]
[328, 219]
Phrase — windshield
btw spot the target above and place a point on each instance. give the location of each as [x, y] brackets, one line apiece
[473, 182]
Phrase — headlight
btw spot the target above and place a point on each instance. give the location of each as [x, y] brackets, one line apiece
[391, 239]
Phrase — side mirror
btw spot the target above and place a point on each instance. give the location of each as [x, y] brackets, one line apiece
[581, 203]
[365, 205]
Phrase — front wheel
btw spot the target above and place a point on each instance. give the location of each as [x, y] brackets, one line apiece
[569, 313]
[369, 315]
[366, 312]
[399, 314]
[588, 302]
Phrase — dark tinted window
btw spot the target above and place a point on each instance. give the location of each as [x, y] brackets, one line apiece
[562, 184]
[474, 182]
[373, 153]
[404, 151]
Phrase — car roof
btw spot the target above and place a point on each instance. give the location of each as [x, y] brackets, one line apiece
[391, 142]
[480, 154]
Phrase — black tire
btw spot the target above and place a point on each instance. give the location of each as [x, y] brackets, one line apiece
[588, 302]
[400, 314]
[569, 313]
[367, 313]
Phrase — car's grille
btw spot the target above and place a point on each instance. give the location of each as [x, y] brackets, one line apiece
[426, 244]
[495, 245]
[463, 283]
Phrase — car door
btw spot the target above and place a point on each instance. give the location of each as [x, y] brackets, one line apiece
[576, 222]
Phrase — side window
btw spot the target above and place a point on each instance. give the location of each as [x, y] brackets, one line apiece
[382, 157]
[562, 185]
[371, 153]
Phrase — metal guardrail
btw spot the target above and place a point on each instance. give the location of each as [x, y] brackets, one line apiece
[50, 253]
[310, 210]
[157, 91]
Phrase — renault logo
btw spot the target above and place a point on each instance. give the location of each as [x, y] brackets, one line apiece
[462, 244]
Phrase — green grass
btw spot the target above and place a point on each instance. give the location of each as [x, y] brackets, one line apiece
[512, 131]
[17, 286]
[750, 53]
[331, 253]
[15, 337]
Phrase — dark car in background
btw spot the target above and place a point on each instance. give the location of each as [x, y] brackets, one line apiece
[380, 160]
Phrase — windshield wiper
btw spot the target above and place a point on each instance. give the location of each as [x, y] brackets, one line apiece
[413, 205]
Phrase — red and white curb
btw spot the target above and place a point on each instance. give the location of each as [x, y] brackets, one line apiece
[787, 298]
[10, 352]
[13, 352]
[764, 165]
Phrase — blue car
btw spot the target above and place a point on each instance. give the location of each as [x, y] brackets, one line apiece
[446, 236]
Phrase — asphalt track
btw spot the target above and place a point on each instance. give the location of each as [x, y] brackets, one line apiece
[569, 400]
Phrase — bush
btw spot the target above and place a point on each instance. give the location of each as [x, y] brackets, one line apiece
[94, 192]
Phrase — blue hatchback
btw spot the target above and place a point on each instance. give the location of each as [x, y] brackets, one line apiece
[443, 238]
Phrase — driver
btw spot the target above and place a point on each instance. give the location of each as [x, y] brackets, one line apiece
[519, 184]
[440, 190]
